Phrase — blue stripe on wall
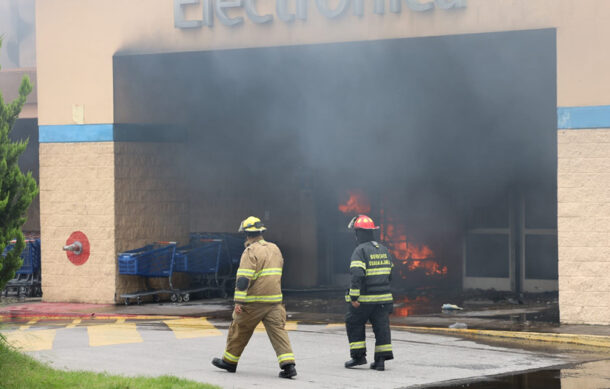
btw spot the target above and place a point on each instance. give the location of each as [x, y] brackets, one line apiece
[567, 118]
[583, 117]
[76, 133]
[73, 133]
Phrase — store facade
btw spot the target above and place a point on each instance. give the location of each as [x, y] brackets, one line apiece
[160, 118]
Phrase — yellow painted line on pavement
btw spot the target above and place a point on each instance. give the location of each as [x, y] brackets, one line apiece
[192, 328]
[575, 339]
[28, 325]
[116, 333]
[335, 325]
[74, 323]
[87, 317]
[37, 340]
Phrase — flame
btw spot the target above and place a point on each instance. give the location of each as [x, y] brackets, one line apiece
[406, 306]
[357, 203]
[413, 256]
[430, 267]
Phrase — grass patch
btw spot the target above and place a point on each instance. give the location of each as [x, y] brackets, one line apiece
[19, 371]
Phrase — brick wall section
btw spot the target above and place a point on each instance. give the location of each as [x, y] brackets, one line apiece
[151, 203]
[584, 226]
[219, 206]
[77, 193]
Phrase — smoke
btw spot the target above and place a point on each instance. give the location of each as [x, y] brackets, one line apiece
[467, 111]
[424, 126]
[17, 29]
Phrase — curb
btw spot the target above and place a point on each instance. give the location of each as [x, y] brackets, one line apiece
[567, 339]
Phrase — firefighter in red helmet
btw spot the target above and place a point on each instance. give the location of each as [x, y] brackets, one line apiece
[369, 296]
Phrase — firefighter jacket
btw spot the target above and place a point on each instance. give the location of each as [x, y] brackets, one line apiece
[371, 269]
[261, 263]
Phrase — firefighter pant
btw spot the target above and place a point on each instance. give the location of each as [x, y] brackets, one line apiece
[378, 315]
[273, 317]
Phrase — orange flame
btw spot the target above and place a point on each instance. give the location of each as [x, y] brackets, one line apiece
[406, 306]
[410, 254]
[357, 203]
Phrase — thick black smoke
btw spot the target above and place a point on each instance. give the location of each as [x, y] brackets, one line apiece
[426, 127]
[467, 114]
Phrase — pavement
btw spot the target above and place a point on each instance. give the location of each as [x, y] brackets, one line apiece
[181, 340]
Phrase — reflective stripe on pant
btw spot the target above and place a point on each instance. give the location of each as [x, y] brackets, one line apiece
[378, 315]
[273, 317]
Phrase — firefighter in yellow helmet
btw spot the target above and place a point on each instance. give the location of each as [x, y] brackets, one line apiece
[258, 297]
[369, 296]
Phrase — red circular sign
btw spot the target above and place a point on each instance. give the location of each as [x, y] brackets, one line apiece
[82, 257]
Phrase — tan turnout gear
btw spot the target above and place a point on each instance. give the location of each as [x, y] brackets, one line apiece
[261, 264]
[243, 325]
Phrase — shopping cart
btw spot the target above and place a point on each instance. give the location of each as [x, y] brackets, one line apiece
[203, 264]
[230, 255]
[27, 278]
[151, 261]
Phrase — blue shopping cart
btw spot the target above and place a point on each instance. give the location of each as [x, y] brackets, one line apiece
[210, 260]
[151, 261]
[26, 282]
[202, 262]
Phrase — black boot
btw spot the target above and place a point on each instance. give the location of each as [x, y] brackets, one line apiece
[221, 364]
[288, 371]
[355, 362]
[379, 364]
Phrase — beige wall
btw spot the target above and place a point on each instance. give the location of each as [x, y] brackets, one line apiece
[584, 226]
[77, 194]
[288, 212]
[150, 201]
[125, 190]
[76, 40]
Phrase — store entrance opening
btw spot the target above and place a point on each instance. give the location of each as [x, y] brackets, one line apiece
[449, 143]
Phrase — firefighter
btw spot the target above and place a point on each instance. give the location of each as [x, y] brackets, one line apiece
[369, 296]
[258, 297]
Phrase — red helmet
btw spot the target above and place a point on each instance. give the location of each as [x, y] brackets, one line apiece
[362, 222]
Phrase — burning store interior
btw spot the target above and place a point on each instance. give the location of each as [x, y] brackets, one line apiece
[449, 143]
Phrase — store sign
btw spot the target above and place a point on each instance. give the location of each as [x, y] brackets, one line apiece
[289, 10]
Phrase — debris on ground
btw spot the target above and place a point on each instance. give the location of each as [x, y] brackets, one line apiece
[459, 326]
[451, 307]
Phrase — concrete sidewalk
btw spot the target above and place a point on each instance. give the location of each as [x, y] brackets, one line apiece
[580, 335]
[181, 340]
[155, 348]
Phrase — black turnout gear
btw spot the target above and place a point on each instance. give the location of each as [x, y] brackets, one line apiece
[371, 270]
[355, 320]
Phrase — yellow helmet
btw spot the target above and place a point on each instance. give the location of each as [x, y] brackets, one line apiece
[252, 224]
